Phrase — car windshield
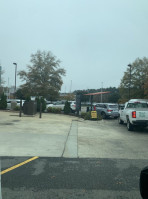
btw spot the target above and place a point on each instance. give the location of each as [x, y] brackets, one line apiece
[113, 106]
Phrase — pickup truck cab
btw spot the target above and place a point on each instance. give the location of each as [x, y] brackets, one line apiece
[135, 113]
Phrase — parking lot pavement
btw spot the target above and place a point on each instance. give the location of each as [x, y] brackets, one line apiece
[32, 136]
[69, 136]
[80, 178]
[108, 139]
[73, 158]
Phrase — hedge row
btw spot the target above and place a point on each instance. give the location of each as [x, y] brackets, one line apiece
[54, 110]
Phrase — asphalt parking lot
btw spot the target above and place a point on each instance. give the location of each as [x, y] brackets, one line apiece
[73, 158]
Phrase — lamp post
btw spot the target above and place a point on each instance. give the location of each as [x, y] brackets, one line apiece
[101, 90]
[15, 74]
[130, 82]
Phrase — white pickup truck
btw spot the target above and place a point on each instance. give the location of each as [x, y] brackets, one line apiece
[135, 113]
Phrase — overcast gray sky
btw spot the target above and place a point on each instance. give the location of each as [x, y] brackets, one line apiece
[94, 39]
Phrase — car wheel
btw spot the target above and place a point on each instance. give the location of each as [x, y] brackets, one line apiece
[129, 126]
[103, 115]
[120, 121]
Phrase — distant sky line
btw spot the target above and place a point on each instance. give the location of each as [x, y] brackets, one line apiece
[94, 39]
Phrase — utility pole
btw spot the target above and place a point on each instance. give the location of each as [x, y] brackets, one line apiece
[70, 86]
[15, 74]
[101, 90]
[8, 90]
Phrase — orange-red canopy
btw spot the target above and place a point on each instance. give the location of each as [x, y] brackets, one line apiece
[99, 93]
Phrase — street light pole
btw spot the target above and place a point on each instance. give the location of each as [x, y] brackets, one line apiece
[130, 82]
[101, 90]
[15, 74]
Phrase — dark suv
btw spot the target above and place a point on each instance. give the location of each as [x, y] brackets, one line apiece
[107, 110]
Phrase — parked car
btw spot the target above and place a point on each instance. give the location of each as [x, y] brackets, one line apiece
[58, 104]
[9, 101]
[61, 104]
[107, 110]
[135, 113]
[73, 106]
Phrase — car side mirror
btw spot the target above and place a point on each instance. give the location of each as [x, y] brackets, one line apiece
[144, 183]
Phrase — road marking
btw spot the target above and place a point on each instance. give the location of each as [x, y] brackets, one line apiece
[18, 165]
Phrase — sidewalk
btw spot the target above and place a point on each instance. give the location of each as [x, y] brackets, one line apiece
[33, 136]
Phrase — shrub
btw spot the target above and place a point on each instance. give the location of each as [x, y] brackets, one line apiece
[87, 116]
[54, 110]
[83, 115]
[17, 108]
[49, 109]
[67, 108]
[99, 116]
[3, 101]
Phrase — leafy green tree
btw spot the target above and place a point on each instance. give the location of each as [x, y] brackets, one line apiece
[20, 94]
[27, 98]
[113, 96]
[3, 101]
[68, 97]
[44, 75]
[138, 83]
[1, 81]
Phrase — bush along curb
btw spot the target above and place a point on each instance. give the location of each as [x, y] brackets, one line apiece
[87, 116]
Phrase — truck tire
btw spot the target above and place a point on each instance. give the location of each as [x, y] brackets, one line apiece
[119, 120]
[129, 125]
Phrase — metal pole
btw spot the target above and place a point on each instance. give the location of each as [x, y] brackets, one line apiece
[70, 86]
[130, 82]
[40, 109]
[101, 90]
[15, 74]
[91, 101]
[20, 109]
